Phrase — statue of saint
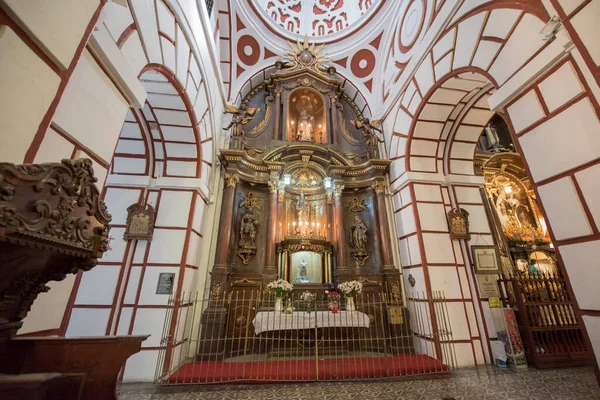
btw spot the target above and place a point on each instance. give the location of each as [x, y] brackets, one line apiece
[302, 272]
[248, 231]
[305, 120]
[359, 234]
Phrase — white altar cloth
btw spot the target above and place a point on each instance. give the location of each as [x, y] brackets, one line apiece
[278, 321]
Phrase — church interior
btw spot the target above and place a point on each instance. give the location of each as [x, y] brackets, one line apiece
[198, 193]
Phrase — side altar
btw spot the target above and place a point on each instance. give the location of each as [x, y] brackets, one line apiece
[304, 200]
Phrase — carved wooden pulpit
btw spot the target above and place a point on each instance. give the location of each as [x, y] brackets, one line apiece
[52, 223]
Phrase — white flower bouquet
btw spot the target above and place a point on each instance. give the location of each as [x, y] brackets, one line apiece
[308, 296]
[350, 288]
[280, 287]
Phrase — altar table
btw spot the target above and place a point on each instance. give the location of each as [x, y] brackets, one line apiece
[278, 321]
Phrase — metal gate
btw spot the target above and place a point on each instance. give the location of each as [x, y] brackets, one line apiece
[240, 338]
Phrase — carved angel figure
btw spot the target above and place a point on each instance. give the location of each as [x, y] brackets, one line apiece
[241, 116]
[369, 130]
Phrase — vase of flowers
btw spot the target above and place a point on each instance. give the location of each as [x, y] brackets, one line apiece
[308, 298]
[333, 300]
[350, 289]
[280, 289]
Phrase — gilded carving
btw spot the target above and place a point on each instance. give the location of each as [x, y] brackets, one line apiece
[241, 116]
[337, 190]
[251, 203]
[273, 186]
[251, 151]
[458, 221]
[395, 293]
[216, 292]
[231, 180]
[306, 55]
[379, 187]
[262, 124]
[357, 206]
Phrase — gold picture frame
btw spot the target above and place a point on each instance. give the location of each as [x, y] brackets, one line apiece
[486, 259]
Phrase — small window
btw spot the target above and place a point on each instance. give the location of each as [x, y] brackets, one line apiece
[209, 6]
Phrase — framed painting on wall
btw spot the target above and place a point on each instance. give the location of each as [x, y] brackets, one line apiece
[486, 259]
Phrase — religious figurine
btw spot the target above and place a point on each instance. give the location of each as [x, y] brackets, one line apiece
[369, 130]
[302, 272]
[359, 234]
[248, 231]
[305, 120]
[247, 242]
[510, 209]
[241, 116]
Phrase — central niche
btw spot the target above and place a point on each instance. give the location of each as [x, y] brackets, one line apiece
[306, 120]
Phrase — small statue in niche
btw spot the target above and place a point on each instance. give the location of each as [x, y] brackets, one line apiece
[359, 234]
[247, 242]
[248, 231]
[302, 272]
[369, 130]
[358, 241]
[305, 120]
[241, 116]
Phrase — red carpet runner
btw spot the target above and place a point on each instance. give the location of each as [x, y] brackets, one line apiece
[301, 370]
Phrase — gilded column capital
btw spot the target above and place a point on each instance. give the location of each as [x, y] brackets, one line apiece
[379, 187]
[273, 186]
[231, 180]
[337, 190]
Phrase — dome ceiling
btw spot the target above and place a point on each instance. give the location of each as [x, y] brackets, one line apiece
[315, 17]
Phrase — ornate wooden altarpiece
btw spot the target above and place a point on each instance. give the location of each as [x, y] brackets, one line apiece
[303, 175]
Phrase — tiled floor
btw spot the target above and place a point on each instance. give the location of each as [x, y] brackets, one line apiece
[487, 383]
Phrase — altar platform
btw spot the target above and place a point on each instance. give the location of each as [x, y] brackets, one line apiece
[307, 369]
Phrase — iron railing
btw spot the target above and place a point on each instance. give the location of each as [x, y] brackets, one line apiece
[239, 338]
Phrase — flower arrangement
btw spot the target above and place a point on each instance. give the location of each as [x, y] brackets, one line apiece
[280, 287]
[308, 296]
[350, 288]
[333, 298]
[525, 234]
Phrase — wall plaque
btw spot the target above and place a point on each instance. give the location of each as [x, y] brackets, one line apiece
[165, 283]
[486, 259]
[458, 222]
[488, 286]
[140, 222]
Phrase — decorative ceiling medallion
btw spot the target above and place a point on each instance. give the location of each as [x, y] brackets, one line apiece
[305, 55]
[316, 17]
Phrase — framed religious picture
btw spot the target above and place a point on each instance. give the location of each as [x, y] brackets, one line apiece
[486, 259]
[140, 222]
[458, 222]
